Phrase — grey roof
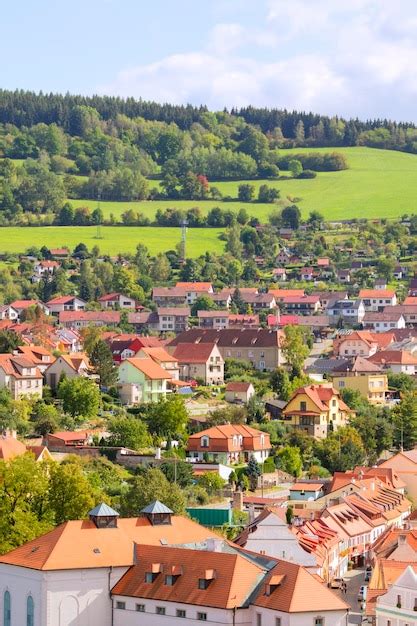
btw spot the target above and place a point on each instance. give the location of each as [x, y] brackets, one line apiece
[341, 305]
[156, 507]
[103, 510]
[322, 366]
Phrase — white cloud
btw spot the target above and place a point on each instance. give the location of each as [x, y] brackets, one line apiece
[330, 57]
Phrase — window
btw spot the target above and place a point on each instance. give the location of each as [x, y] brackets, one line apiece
[30, 612]
[303, 406]
[121, 605]
[202, 617]
[181, 613]
[398, 602]
[7, 617]
[204, 442]
[160, 610]
[258, 619]
[203, 583]
[150, 577]
[277, 621]
[140, 608]
[319, 621]
[170, 580]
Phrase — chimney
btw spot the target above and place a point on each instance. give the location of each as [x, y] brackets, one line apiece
[214, 544]
[251, 513]
[237, 502]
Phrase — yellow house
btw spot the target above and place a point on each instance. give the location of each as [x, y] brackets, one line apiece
[363, 376]
[316, 409]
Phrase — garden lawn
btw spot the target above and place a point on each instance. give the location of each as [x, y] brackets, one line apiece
[114, 239]
[378, 184]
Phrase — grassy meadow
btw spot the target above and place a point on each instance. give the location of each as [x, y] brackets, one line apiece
[114, 239]
[378, 183]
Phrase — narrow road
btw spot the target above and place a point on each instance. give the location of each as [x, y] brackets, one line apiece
[354, 578]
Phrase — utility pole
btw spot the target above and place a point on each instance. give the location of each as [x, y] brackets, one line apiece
[183, 239]
[98, 231]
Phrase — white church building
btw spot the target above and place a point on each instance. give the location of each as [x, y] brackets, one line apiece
[155, 569]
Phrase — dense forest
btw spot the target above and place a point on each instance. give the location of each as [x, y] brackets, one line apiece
[115, 149]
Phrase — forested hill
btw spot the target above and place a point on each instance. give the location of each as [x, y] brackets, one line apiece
[285, 128]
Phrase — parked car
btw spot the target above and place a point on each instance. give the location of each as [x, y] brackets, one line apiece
[336, 583]
[362, 593]
[368, 574]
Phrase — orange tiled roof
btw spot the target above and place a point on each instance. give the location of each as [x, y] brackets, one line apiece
[10, 447]
[376, 293]
[149, 368]
[299, 591]
[234, 577]
[80, 544]
[194, 286]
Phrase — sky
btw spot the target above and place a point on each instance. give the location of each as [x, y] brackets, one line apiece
[353, 58]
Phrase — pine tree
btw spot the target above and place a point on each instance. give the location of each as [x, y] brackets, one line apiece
[102, 359]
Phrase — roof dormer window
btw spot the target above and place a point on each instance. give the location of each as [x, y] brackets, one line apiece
[205, 441]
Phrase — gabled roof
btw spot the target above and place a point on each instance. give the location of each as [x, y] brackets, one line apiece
[320, 395]
[194, 286]
[193, 352]
[233, 577]
[393, 357]
[358, 365]
[237, 386]
[298, 592]
[109, 297]
[285, 293]
[11, 447]
[64, 300]
[159, 354]
[376, 294]
[24, 304]
[149, 368]
[111, 317]
[229, 337]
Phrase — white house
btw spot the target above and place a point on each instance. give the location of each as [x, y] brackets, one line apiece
[398, 606]
[351, 311]
[117, 301]
[66, 303]
[381, 322]
[377, 299]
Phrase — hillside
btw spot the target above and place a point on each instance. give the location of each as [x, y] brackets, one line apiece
[378, 184]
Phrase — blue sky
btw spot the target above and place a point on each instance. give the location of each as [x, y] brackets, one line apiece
[346, 57]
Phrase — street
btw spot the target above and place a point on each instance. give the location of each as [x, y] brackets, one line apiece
[354, 578]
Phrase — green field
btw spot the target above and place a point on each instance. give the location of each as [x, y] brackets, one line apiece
[115, 239]
[378, 183]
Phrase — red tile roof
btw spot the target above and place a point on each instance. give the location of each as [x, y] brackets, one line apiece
[80, 544]
[375, 294]
[238, 386]
[150, 368]
[111, 317]
[194, 286]
[233, 577]
[193, 352]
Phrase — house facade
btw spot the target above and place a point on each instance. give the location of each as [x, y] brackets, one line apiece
[227, 444]
[142, 380]
[316, 409]
[260, 347]
[377, 299]
[20, 376]
[202, 361]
